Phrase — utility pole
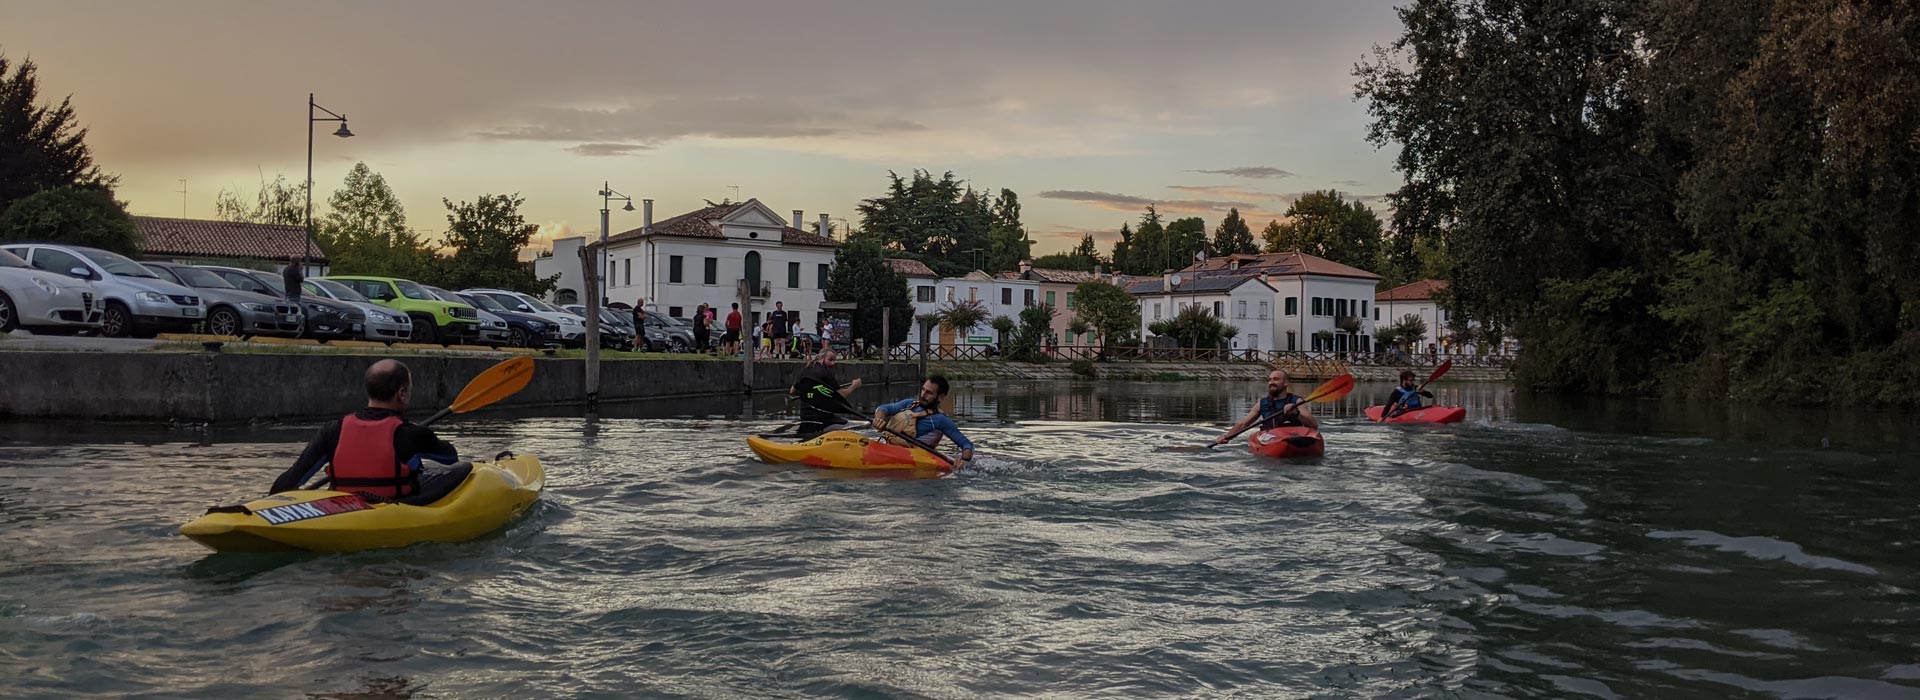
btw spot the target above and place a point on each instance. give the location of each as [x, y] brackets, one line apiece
[183, 198]
[746, 335]
[590, 271]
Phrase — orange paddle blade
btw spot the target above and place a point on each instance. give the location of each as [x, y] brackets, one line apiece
[1333, 389]
[498, 382]
[1437, 371]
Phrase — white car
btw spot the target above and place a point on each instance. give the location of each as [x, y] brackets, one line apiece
[37, 300]
[134, 301]
[569, 329]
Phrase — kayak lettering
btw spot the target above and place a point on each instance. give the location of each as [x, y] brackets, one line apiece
[281, 515]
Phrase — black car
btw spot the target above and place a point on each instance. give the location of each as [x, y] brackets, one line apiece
[326, 319]
[524, 330]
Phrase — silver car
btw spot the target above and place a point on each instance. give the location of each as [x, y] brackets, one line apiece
[384, 325]
[493, 329]
[136, 301]
[42, 300]
[569, 329]
[232, 311]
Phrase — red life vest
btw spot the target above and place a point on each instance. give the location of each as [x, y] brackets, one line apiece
[364, 461]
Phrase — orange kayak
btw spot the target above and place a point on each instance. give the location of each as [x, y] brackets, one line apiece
[845, 449]
[1293, 441]
[1430, 414]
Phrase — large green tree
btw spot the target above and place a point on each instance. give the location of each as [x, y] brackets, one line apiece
[86, 216]
[1186, 241]
[860, 275]
[1123, 250]
[1147, 251]
[41, 147]
[485, 237]
[1110, 310]
[365, 230]
[277, 202]
[940, 218]
[1007, 237]
[1233, 237]
[1325, 224]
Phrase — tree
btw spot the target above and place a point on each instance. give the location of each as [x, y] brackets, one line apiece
[962, 316]
[1409, 329]
[1123, 251]
[278, 202]
[1036, 323]
[937, 217]
[860, 275]
[1325, 224]
[1001, 327]
[1233, 237]
[485, 237]
[1007, 238]
[1147, 253]
[86, 216]
[1194, 326]
[1078, 326]
[1110, 310]
[41, 147]
[365, 230]
[1087, 249]
[1186, 242]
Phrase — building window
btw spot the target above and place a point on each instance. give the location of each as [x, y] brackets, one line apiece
[1029, 297]
[824, 268]
[1340, 307]
[674, 311]
[1363, 308]
[1263, 309]
[751, 273]
[1316, 306]
[1240, 309]
[1006, 297]
[1376, 313]
[1293, 306]
[793, 275]
[1217, 313]
[626, 277]
[923, 294]
[1156, 311]
[1253, 341]
[713, 271]
[1051, 302]
[674, 276]
[1291, 346]
[1070, 300]
[950, 294]
[973, 294]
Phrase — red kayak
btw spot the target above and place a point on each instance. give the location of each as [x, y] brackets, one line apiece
[1294, 441]
[1430, 414]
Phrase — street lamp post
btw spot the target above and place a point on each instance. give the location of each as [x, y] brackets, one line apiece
[306, 260]
[607, 196]
[976, 257]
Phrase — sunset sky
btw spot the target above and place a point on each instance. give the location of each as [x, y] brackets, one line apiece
[1089, 109]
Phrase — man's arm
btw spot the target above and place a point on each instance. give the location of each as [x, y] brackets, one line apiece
[886, 410]
[1241, 426]
[319, 451]
[415, 440]
[1306, 416]
[945, 426]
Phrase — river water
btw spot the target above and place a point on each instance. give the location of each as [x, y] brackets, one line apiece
[1546, 548]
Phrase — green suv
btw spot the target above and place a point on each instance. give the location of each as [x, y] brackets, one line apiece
[434, 320]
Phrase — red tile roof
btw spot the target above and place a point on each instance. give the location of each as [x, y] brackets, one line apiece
[1419, 291]
[911, 268]
[1047, 274]
[1280, 264]
[700, 223]
[221, 239]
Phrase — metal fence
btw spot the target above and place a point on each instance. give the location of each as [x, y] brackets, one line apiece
[1290, 360]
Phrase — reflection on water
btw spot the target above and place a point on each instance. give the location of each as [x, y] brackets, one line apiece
[1546, 548]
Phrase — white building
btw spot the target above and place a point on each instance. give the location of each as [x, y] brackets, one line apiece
[1414, 300]
[699, 257]
[1312, 296]
[1242, 301]
[923, 287]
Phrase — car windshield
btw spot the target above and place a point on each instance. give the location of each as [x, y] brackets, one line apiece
[611, 317]
[414, 291]
[539, 305]
[273, 283]
[671, 321]
[10, 260]
[446, 295]
[483, 301]
[196, 277]
[116, 264]
[340, 291]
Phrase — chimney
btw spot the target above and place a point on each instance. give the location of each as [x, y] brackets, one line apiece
[1097, 268]
[1166, 281]
[1026, 267]
[826, 229]
[646, 216]
[796, 217]
[1233, 263]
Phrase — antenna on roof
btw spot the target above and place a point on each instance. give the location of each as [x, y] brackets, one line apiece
[183, 198]
[736, 192]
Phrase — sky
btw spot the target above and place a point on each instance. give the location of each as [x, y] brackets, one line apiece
[1088, 109]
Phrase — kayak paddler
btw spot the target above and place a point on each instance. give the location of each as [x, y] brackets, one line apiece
[376, 452]
[920, 417]
[1279, 408]
[1405, 397]
[819, 371]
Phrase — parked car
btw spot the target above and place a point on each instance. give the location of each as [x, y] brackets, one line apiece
[679, 336]
[493, 329]
[41, 300]
[135, 301]
[326, 319]
[715, 330]
[434, 320]
[571, 330]
[232, 311]
[383, 325]
[616, 332]
[523, 330]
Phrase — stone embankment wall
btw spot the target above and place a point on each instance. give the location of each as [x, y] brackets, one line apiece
[1187, 371]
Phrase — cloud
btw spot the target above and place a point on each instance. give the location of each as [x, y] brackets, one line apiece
[1227, 191]
[1349, 183]
[1256, 172]
[608, 149]
[1131, 203]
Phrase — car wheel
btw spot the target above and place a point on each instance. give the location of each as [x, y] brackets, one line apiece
[116, 322]
[423, 330]
[676, 345]
[223, 322]
[517, 337]
[9, 319]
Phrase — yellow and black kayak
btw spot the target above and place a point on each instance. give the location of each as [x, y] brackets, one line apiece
[845, 449]
[337, 521]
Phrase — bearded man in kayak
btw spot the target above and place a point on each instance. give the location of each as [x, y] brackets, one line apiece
[1404, 397]
[1279, 408]
[376, 452]
[920, 417]
[820, 370]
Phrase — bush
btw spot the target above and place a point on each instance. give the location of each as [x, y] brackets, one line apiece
[83, 216]
[1084, 369]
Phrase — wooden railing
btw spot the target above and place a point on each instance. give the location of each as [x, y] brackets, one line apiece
[1290, 360]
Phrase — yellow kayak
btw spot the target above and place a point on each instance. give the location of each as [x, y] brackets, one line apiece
[337, 521]
[845, 449]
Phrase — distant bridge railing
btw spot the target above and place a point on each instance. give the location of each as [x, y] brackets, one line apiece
[1292, 360]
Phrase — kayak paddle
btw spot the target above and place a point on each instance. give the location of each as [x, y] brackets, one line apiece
[1437, 371]
[822, 396]
[1331, 390]
[498, 382]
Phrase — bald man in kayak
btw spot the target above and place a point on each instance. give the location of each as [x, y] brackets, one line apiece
[375, 452]
[920, 417]
[1279, 408]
